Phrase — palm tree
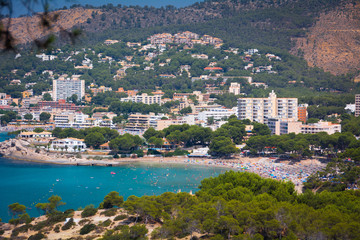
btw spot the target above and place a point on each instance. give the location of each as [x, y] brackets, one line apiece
[66, 148]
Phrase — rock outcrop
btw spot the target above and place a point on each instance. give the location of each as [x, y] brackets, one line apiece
[333, 43]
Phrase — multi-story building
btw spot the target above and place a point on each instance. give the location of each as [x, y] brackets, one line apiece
[60, 104]
[328, 127]
[71, 120]
[259, 109]
[68, 145]
[216, 114]
[143, 98]
[357, 105]
[64, 88]
[302, 112]
[280, 126]
[137, 123]
[234, 88]
[101, 89]
[162, 124]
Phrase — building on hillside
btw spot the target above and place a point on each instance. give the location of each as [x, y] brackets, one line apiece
[328, 127]
[357, 105]
[162, 124]
[137, 124]
[259, 109]
[234, 88]
[71, 120]
[280, 126]
[216, 114]
[109, 42]
[143, 98]
[68, 145]
[45, 57]
[101, 89]
[64, 88]
[302, 112]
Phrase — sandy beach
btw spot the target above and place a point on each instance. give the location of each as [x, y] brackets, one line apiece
[265, 167]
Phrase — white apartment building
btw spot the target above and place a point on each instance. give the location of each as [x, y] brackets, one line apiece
[66, 87]
[45, 57]
[143, 98]
[357, 105]
[328, 127]
[234, 88]
[259, 109]
[71, 120]
[216, 113]
[68, 145]
[280, 126]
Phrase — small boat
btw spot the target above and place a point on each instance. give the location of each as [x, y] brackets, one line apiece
[112, 173]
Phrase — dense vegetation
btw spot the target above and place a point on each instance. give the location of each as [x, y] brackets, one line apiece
[233, 205]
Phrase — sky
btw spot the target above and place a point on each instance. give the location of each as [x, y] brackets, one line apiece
[19, 9]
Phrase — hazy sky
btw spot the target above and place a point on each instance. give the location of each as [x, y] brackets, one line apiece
[54, 4]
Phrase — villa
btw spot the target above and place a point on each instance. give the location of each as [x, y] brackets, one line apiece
[68, 145]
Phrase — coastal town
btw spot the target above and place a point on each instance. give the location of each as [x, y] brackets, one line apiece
[80, 122]
[216, 120]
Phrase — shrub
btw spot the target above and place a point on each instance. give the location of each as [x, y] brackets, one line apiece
[120, 217]
[37, 236]
[139, 153]
[69, 212]
[89, 211]
[87, 228]
[2, 232]
[14, 221]
[57, 228]
[105, 223]
[21, 229]
[40, 225]
[110, 212]
[84, 221]
[68, 225]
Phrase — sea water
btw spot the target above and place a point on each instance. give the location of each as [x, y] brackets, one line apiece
[30, 183]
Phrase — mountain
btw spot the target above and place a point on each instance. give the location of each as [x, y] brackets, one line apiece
[333, 43]
[324, 32]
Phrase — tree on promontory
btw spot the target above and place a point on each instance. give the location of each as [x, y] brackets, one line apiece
[52, 205]
[111, 200]
[16, 209]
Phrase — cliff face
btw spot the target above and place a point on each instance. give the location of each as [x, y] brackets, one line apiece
[27, 29]
[333, 43]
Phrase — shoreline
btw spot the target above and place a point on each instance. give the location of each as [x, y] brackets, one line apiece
[19, 150]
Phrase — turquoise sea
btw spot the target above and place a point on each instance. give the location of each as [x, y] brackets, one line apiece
[29, 183]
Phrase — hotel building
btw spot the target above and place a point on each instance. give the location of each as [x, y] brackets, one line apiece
[260, 109]
[66, 87]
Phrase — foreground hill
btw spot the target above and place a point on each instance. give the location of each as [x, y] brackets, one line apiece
[233, 205]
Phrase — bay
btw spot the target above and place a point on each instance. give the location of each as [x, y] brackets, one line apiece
[30, 183]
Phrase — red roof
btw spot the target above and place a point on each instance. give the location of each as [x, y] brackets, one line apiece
[213, 68]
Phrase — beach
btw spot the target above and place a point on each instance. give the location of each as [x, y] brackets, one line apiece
[297, 172]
